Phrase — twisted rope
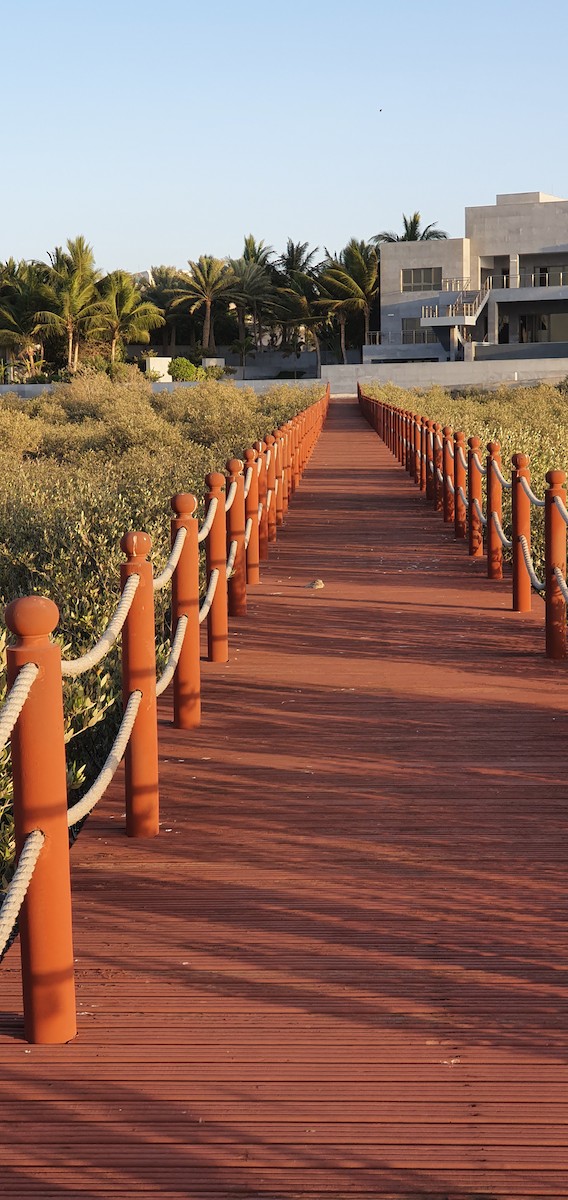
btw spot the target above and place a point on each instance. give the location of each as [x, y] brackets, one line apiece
[208, 599]
[259, 464]
[450, 486]
[506, 483]
[462, 496]
[561, 583]
[232, 556]
[529, 492]
[536, 583]
[19, 884]
[173, 657]
[461, 456]
[498, 526]
[479, 511]
[450, 449]
[248, 478]
[248, 531]
[231, 495]
[260, 508]
[475, 459]
[439, 474]
[269, 498]
[561, 509]
[70, 668]
[210, 517]
[99, 787]
[16, 699]
[164, 577]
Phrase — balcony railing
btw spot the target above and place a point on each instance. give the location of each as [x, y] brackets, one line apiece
[408, 337]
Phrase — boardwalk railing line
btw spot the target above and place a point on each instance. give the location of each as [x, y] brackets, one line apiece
[452, 475]
[241, 519]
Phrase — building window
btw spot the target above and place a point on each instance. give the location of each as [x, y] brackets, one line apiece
[422, 279]
[413, 335]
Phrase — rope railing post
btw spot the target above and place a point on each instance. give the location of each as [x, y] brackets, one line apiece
[410, 443]
[438, 459]
[260, 448]
[185, 602]
[416, 448]
[521, 528]
[295, 456]
[555, 557]
[287, 467]
[423, 445]
[271, 484]
[474, 492]
[430, 461]
[400, 436]
[460, 514]
[40, 802]
[236, 521]
[216, 555]
[494, 505]
[251, 514]
[448, 475]
[139, 674]
[279, 439]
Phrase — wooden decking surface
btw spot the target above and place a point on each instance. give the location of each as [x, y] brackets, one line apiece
[340, 971]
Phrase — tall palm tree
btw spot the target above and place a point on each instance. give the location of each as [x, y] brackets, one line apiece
[123, 314]
[257, 252]
[412, 232]
[208, 280]
[301, 304]
[161, 291]
[73, 300]
[23, 290]
[352, 283]
[252, 292]
[297, 257]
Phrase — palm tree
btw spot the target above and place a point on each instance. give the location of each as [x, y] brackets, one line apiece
[412, 232]
[351, 283]
[72, 300]
[209, 279]
[257, 252]
[123, 314]
[301, 304]
[22, 292]
[297, 257]
[251, 291]
[161, 291]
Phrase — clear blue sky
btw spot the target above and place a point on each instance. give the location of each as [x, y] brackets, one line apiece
[162, 131]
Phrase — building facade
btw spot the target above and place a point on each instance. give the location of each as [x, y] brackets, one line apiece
[501, 291]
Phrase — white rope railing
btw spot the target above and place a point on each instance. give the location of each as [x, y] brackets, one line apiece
[231, 495]
[431, 466]
[210, 593]
[19, 884]
[529, 492]
[439, 474]
[561, 508]
[173, 657]
[259, 464]
[276, 485]
[450, 449]
[260, 508]
[450, 486]
[16, 699]
[479, 510]
[248, 531]
[269, 498]
[561, 583]
[506, 483]
[97, 789]
[461, 456]
[505, 541]
[232, 556]
[477, 462]
[248, 479]
[462, 496]
[268, 455]
[164, 577]
[71, 668]
[208, 522]
[439, 442]
[536, 583]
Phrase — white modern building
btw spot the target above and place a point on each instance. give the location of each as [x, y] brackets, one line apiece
[499, 292]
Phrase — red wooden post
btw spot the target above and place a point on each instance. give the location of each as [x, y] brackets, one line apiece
[494, 505]
[460, 517]
[271, 484]
[430, 461]
[448, 473]
[288, 451]
[416, 446]
[555, 539]
[260, 448]
[438, 459]
[279, 439]
[237, 582]
[409, 461]
[216, 552]
[139, 673]
[521, 527]
[185, 602]
[40, 802]
[423, 449]
[295, 462]
[251, 513]
[474, 493]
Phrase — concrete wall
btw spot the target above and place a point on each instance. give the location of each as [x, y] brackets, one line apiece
[451, 375]
[525, 223]
[451, 254]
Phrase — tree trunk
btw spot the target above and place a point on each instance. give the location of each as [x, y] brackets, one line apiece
[241, 320]
[76, 355]
[342, 320]
[70, 350]
[367, 324]
[318, 353]
[207, 326]
[113, 349]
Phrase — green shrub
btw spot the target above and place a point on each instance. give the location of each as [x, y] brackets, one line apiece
[184, 371]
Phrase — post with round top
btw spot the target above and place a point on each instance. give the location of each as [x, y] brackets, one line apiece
[279, 440]
[448, 474]
[185, 603]
[251, 514]
[521, 528]
[474, 493]
[409, 457]
[139, 674]
[555, 542]
[430, 461]
[288, 454]
[494, 505]
[423, 446]
[236, 521]
[438, 458]
[460, 514]
[400, 435]
[216, 554]
[40, 802]
[416, 446]
[271, 485]
[260, 448]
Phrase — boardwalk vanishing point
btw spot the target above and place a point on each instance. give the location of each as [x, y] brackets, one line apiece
[340, 970]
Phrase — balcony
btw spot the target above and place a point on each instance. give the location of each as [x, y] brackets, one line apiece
[408, 337]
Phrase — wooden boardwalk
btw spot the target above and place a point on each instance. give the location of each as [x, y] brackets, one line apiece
[341, 970]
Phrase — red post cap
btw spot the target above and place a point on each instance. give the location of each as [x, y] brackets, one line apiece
[32, 616]
[136, 544]
[184, 504]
